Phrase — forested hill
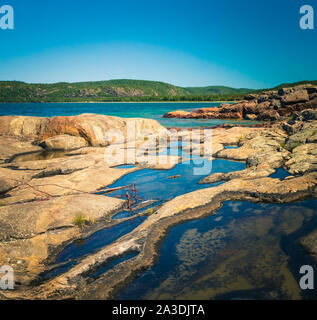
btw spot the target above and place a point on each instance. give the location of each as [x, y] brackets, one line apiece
[217, 90]
[114, 90]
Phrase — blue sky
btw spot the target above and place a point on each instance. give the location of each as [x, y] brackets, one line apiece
[239, 43]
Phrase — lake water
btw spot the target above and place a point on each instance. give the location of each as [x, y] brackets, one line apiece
[127, 110]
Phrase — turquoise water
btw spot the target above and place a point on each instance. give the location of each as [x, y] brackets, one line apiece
[126, 110]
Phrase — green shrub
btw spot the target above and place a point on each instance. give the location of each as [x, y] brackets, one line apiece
[295, 145]
[282, 144]
[290, 148]
[81, 220]
[150, 210]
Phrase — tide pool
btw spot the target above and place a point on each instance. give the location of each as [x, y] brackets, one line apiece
[244, 251]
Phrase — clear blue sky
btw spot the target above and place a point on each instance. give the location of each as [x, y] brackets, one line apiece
[239, 43]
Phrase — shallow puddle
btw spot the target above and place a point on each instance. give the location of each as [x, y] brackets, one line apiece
[71, 255]
[125, 166]
[103, 269]
[280, 173]
[41, 155]
[245, 251]
[98, 240]
[167, 184]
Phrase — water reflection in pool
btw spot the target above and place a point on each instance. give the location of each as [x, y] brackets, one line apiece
[154, 184]
[245, 251]
[40, 155]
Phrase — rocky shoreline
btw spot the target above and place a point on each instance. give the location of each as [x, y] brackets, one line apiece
[39, 199]
[266, 106]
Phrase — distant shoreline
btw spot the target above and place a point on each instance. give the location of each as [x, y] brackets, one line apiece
[231, 101]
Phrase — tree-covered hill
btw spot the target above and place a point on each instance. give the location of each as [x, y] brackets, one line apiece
[111, 90]
[116, 90]
[216, 90]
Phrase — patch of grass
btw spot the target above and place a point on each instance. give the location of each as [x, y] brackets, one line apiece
[2, 205]
[80, 220]
[290, 148]
[241, 138]
[150, 210]
[295, 145]
[282, 144]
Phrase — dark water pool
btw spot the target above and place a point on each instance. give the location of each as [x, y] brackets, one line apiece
[98, 240]
[280, 173]
[103, 269]
[70, 256]
[39, 155]
[245, 251]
